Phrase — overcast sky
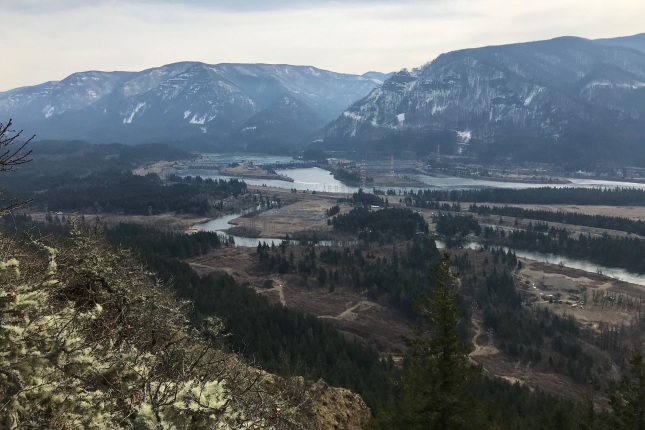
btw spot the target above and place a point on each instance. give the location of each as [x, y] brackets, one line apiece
[45, 40]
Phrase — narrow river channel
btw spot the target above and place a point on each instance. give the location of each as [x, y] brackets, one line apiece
[222, 223]
[319, 180]
[583, 265]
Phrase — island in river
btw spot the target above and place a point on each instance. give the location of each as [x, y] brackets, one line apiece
[250, 170]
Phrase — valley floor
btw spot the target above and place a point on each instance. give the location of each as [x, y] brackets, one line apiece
[378, 324]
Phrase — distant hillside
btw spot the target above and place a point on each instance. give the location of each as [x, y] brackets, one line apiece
[231, 106]
[563, 100]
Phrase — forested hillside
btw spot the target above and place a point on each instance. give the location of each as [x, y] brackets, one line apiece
[108, 325]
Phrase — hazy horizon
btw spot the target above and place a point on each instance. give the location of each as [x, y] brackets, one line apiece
[51, 40]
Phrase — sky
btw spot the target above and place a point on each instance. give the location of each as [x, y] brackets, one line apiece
[43, 40]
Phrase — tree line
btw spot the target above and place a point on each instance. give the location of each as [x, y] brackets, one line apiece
[575, 218]
[623, 252]
[113, 191]
[376, 225]
[618, 196]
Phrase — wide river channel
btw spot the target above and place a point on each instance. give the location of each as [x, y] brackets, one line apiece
[316, 179]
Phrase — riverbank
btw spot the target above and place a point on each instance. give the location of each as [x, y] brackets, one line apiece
[394, 181]
[510, 178]
[523, 180]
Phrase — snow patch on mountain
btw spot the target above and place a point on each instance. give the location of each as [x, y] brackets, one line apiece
[353, 115]
[529, 98]
[128, 119]
[606, 83]
[437, 108]
[464, 136]
[201, 120]
[49, 111]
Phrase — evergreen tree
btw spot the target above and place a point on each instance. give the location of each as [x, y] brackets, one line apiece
[587, 417]
[629, 402]
[434, 389]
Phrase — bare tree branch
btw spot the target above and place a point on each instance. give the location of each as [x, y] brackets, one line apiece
[11, 157]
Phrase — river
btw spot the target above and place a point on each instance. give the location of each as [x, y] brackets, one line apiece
[320, 180]
[310, 178]
[222, 223]
[585, 266]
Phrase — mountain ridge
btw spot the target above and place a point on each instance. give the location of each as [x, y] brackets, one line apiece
[180, 101]
[550, 101]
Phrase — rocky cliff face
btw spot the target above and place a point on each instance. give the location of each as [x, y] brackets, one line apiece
[336, 408]
[184, 101]
[548, 99]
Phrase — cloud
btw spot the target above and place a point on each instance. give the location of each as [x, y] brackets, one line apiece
[52, 39]
[48, 6]
[266, 5]
[41, 7]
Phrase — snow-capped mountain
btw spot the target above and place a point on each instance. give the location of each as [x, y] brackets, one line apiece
[188, 101]
[551, 100]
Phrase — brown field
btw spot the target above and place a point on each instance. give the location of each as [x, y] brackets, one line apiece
[514, 372]
[160, 168]
[349, 311]
[250, 171]
[539, 278]
[308, 213]
[508, 222]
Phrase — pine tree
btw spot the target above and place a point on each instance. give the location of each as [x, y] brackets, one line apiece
[628, 403]
[434, 390]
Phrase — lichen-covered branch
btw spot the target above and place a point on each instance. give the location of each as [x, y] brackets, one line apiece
[90, 339]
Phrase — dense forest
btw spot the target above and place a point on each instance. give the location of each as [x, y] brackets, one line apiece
[394, 274]
[115, 191]
[381, 225]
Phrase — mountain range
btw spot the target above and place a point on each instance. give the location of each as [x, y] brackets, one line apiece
[567, 99]
[231, 106]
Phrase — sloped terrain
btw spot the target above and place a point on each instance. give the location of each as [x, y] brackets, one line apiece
[90, 339]
[556, 100]
[188, 101]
